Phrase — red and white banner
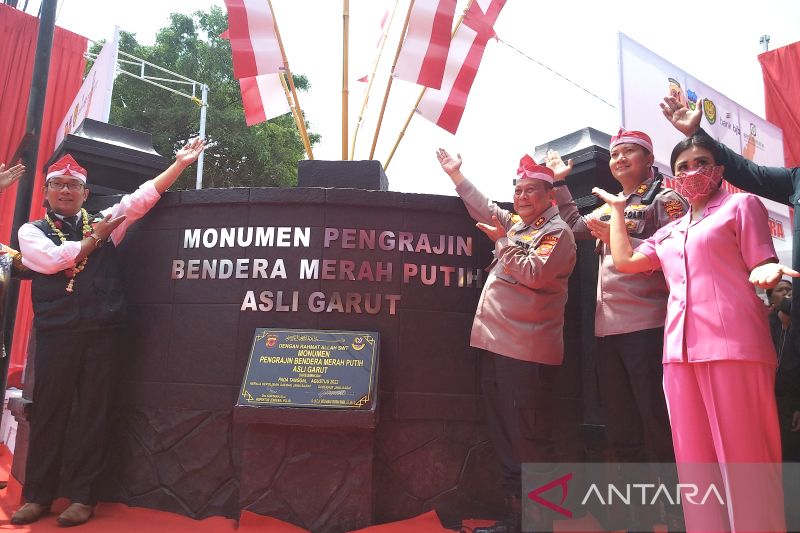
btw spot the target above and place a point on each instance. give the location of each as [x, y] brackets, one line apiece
[254, 42]
[423, 55]
[94, 97]
[444, 107]
[781, 70]
[263, 98]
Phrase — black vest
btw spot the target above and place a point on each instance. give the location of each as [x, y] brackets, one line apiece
[97, 300]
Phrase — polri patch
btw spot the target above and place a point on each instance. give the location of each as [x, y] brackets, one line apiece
[546, 245]
[674, 209]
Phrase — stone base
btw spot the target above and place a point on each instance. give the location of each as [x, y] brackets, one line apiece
[367, 175]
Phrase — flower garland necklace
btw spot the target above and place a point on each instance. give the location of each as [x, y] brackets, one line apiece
[87, 232]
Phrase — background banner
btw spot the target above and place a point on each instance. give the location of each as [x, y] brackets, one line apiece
[646, 78]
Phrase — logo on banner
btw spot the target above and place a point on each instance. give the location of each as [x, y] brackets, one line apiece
[692, 97]
[710, 111]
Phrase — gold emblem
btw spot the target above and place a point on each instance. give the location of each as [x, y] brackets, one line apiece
[546, 245]
[516, 219]
[539, 221]
[642, 188]
[674, 209]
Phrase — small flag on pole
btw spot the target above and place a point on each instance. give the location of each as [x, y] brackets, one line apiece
[254, 42]
[424, 52]
[263, 98]
[445, 107]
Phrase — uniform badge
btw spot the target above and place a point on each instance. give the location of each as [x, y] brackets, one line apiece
[642, 189]
[605, 218]
[674, 209]
[512, 233]
[516, 219]
[630, 224]
[526, 237]
[539, 221]
[546, 245]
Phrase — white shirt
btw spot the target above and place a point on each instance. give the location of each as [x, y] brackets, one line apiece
[41, 255]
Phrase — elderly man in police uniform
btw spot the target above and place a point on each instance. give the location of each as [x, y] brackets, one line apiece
[79, 309]
[519, 322]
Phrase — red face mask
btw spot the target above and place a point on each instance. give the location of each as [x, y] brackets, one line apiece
[700, 181]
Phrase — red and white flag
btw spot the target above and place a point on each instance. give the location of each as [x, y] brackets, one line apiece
[254, 42]
[263, 98]
[379, 39]
[424, 52]
[444, 107]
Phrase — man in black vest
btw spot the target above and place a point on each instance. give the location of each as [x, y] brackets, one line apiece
[79, 308]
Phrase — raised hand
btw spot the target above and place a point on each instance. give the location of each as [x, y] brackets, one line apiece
[599, 229]
[105, 227]
[768, 275]
[10, 175]
[449, 164]
[611, 199]
[554, 162]
[681, 117]
[495, 231]
[190, 151]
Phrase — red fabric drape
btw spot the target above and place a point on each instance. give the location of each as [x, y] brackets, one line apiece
[18, 33]
[781, 70]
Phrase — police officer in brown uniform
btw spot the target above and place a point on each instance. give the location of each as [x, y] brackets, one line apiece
[519, 322]
[630, 308]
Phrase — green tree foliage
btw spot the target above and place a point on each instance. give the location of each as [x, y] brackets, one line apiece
[259, 156]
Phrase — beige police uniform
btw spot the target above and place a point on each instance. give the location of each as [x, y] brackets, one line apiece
[627, 302]
[519, 328]
[629, 323]
[521, 310]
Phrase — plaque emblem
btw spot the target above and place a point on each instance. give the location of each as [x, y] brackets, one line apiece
[358, 344]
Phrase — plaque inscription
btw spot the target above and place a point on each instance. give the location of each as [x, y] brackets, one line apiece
[310, 368]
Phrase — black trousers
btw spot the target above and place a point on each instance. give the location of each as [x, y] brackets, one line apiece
[632, 396]
[631, 390]
[518, 396]
[74, 381]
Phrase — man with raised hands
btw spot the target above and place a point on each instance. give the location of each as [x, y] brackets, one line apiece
[79, 310]
[519, 323]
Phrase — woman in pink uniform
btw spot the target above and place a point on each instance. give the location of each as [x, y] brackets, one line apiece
[719, 361]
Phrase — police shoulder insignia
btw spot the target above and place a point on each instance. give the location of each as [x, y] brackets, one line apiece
[642, 188]
[539, 221]
[546, 245]
[674, 209]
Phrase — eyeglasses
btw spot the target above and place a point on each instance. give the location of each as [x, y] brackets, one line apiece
[61, 185]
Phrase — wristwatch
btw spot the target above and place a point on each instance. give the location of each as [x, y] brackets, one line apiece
[98, 242]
